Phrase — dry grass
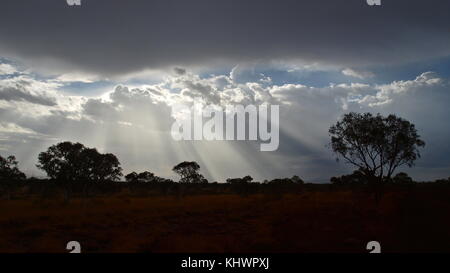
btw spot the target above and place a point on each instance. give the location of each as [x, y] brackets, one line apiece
[338, 221]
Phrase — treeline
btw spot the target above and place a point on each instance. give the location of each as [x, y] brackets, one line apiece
[68, 162]
[74, 170]
[51, 189]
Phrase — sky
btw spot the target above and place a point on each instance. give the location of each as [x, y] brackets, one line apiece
[106, 74]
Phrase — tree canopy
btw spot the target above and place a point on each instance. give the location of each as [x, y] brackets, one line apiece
[73, 161]
[244, 180]
[9, 168]
[145, 176]
[377, 145]
[189, 172]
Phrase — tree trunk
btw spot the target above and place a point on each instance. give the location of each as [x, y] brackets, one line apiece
[376, 186]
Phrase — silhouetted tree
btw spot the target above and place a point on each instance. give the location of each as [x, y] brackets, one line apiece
[281, 181]
[99, 167]
[443, 181]
[297, 180]
[131, 177]
[244, 180]
[402, 178]
[247, 178]
[356, 178]
[242, 186]
[377, 145]
[189, 172]
[146, 177]
[9, 169]
[73, 161]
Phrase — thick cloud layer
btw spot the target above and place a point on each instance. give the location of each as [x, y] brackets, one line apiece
[114, 37]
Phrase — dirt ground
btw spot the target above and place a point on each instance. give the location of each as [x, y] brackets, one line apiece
[335, 221]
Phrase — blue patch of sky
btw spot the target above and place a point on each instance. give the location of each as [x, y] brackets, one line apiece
[87, 89]
[138, 82]
[282, 76]
[410, 71]
[321, 78]
[314, 78]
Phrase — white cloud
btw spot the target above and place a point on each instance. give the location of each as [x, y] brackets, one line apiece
[386, 93]
[77, 77]
[134, 122]
[7, 127]
[26, 88]
[358, 74]
[7, 69]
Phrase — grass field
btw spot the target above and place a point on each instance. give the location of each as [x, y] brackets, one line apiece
[315, 221]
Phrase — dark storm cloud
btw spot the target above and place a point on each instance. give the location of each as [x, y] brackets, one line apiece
[19, 94]
[179, 71]
[114, 37]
